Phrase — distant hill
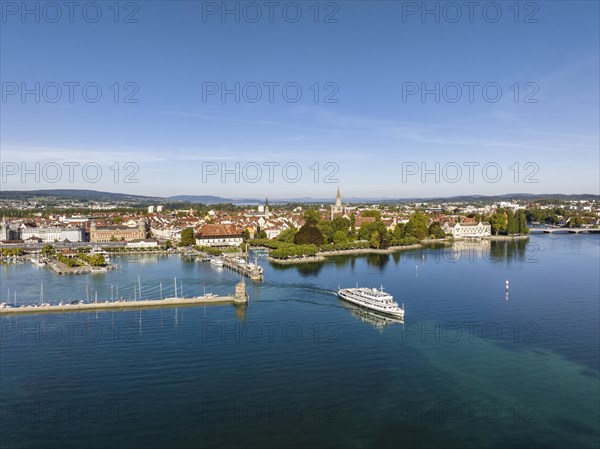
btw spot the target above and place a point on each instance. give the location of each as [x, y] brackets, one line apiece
[507, 197]
[206, 199]
[72, 194]
[460, 198]
[94, 195]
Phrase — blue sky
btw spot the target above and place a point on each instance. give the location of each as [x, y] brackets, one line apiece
[375, 140]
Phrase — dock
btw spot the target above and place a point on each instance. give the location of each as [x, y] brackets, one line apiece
[254, 273]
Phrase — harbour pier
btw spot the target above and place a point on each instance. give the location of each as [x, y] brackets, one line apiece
[252, 271]
[239, 297]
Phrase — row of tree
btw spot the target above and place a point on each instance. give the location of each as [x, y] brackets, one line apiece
[341, 233]
[505, 222]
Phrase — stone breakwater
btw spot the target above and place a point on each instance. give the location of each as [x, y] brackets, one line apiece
[123, 305]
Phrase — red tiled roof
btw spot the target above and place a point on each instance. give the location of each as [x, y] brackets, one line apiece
[362, 220]
[217, 230]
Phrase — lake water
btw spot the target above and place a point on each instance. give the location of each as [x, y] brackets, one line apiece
[470, 367]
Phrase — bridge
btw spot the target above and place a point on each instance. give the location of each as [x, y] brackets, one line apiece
[559, 230]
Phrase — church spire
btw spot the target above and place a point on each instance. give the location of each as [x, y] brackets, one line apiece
[339, 207]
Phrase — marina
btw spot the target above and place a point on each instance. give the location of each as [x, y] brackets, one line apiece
[239, 297]
[121, 305]
[253, 271]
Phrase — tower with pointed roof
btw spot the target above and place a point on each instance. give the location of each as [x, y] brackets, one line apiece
[267, 213]
[338, 208]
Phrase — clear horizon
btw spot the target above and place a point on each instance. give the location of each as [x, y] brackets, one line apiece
[374, 98]
[330, 197]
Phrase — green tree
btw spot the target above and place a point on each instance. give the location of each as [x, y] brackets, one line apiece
[499, 222]
[366, 230]
[575, 222]
[309, 234]
[397, 234]
[341, 224]
[97, 260]
[436, 231]
[287, 235]
[326, 228]
[260, 233]
[48, 250]
[417, 226]
[522, 223]
[168, 244]
[353, 225]
[312, 217]
[187, 237]
[512, 226]
[372, 213]
[246, 235]
[375, 240]
[340, 237]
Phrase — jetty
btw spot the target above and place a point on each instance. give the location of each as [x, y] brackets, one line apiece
[252, 271]
[239, 297]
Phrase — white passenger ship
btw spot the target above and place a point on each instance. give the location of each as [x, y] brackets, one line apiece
[373, 299]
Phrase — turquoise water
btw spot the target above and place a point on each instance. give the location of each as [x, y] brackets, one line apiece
[470, 366]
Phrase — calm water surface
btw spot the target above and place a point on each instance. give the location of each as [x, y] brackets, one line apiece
[470, 366]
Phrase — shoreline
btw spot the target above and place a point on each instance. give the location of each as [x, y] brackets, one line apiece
[506, 237]
[322, 256]
[447, 242]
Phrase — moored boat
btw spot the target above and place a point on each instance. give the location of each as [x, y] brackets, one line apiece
[216, 262]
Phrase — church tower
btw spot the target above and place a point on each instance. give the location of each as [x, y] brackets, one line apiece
[267, 213]
[338, 208]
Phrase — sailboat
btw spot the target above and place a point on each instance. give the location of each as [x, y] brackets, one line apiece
[42, 303]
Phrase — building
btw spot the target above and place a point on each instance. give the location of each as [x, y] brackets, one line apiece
[51, 234]
[468, 230]
[142, 243]
[219, 235]
[114, 233]
[338, 209]
[8, 233]
[363, 220]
